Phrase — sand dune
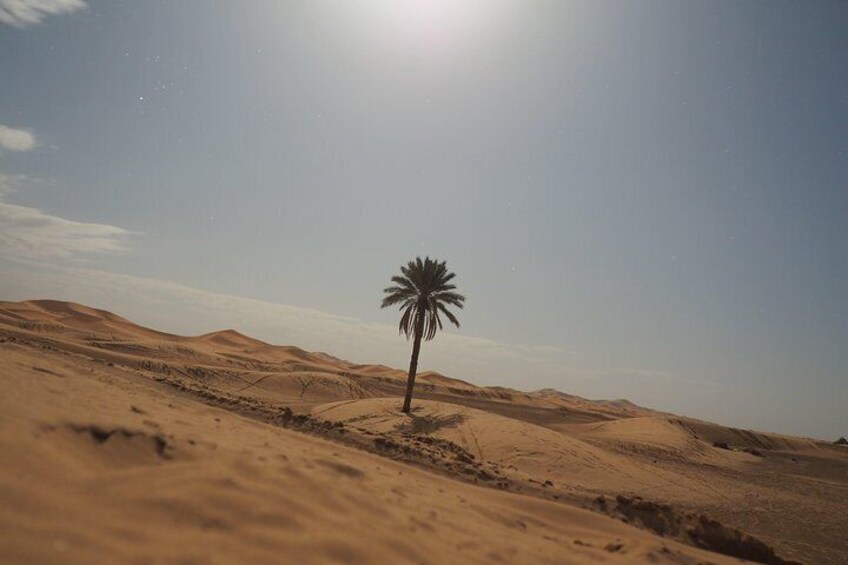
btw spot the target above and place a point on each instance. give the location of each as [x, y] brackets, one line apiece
[231, 339]
[522, 450]
[635, 456]
[120, 441]
[55, 315]
[667, 438]
[101, 466]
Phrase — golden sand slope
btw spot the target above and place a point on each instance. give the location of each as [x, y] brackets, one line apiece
[522, 450]
[645, 456]
[108, 448]
[101, 465]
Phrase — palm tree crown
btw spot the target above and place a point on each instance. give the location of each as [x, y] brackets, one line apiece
[424, 291]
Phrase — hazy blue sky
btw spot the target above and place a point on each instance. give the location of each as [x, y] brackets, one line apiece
[641, 199]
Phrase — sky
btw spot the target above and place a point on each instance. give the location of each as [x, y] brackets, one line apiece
[643, 200]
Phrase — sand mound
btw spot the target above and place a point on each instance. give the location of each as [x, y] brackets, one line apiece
[685, 439]
[519, 448]
[439, 379]
[230, 339]
[652, 436]
[736, 438]
[379, 371]
[607, 408]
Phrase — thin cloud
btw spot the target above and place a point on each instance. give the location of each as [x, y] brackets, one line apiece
[30, 233]
[23, 13]
[15, 139]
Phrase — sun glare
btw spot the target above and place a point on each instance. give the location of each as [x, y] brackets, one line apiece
[428, 18]
[432, 25]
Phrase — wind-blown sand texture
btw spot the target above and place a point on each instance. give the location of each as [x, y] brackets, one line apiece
[121, 443]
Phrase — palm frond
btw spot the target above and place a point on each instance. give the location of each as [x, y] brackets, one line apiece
[423, 292]
[453, 298]
[448, 314]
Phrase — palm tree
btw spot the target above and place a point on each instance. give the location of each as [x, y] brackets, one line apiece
[423, 291]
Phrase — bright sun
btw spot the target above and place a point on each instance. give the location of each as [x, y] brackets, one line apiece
[437, 29]
[433, 24]
[428, 16]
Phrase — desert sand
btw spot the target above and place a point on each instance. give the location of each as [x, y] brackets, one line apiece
[124, 444]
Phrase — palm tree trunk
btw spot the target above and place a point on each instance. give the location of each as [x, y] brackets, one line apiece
[413, 363]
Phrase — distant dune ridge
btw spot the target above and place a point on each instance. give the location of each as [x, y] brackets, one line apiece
[111, 329]
[120, 441]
